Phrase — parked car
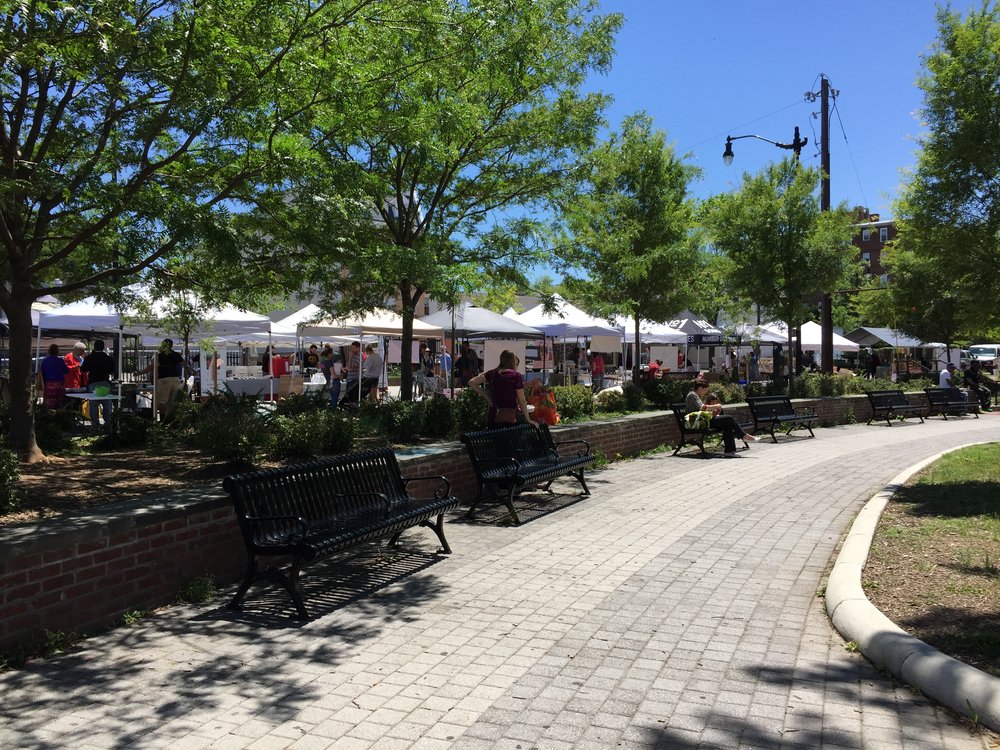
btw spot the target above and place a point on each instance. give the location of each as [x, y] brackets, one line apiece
[986, 355]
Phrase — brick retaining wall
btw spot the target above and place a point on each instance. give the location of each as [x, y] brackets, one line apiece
[80, 573]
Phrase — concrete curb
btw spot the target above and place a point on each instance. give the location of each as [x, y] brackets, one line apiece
[948, 681]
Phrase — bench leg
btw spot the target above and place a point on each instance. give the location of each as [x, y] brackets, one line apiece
[509, 500]
[248, 579]
[582, 481]
[471, 513]
[437, 528]
[292, 584]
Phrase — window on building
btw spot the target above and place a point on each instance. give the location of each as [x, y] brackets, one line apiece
[866, 234]
[866, 258]
[885, 278]
[883, 234]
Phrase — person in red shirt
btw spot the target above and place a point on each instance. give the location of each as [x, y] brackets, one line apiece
[654, 369]
[74, 378]
[597, 371]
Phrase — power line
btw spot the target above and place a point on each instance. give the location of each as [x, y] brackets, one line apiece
[851, 155]
[738, 127]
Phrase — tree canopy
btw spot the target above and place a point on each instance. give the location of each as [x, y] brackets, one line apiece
[783, 251]
[631, 227]
[949, 213]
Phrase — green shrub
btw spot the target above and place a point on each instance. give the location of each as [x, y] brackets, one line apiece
[54, 428]
[308, 403]
[294, 437]
[439, 419]
[133, 432]
[230, 429]
[401, 420]
[9, 475]
[634, 400]
[662, 393]
[337, 431]
[574, 401]
[470, 411]
[611, 400]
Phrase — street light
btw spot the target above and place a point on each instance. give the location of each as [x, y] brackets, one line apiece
[796, 145]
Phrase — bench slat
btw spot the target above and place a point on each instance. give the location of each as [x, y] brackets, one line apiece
[312, 510]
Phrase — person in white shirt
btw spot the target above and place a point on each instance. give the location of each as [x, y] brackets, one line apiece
[944, 379]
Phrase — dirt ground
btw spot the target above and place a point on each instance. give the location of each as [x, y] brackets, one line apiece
[70, 483]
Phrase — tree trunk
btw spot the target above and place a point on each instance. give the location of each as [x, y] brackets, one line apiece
[636, 366]
[408, 302]
[22, 417]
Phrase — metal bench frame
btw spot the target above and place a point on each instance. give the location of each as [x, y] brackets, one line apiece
[892, 404]
[945, 401]
[774, 412]
[695, 437]
[313, 510]
[514, 458]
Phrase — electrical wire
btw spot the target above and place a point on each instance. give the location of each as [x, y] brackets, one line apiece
[738, 127]
[857, 176]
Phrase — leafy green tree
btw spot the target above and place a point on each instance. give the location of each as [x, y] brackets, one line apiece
[130, 132]
[783, 251]
[462, 149]
[949, 213]
[631, 228]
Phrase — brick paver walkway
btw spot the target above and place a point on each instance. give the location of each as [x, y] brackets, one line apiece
[676, 608]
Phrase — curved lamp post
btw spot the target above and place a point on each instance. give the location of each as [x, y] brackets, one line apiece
[796, 145]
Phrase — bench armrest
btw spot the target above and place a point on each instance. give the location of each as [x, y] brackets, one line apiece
[511, 464]
[441, 492]
[584, 451]
[258, 525]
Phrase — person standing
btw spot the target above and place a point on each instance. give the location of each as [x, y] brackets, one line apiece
[597, 371]
[74, 360]
[167, 366]
[371, 372]
[99, 368]
[973, 380]
[444, 369]
[52, 374]
[753, 370]
[506, 392]
[353, 374]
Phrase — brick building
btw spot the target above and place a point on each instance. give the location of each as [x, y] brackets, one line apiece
[870, 239]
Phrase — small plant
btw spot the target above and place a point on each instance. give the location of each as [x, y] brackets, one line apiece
[634, 400]
[295, 436]
[337, 431]
[821, 592]
[56, 641]
[198, 590]
[9, 476]
[470, 411]
[132, 616]
[231, 430]
[402, 420]
[601, 461]
[439, 417]
[852, 647]
[574, 401]
[611, 401]
[54, 428]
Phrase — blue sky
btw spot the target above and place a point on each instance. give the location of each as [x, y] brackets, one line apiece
[703, 70]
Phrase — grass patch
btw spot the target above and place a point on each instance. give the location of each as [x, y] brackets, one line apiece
[935, 563]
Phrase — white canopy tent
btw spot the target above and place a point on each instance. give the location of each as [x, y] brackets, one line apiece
[474, 322]
[651, 333]
[380, 322]
[812, 337]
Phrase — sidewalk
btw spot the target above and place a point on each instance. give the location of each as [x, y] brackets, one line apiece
[676, 607]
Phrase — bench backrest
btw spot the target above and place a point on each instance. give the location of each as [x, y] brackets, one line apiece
[944, 395]
[766, 406]
[320, 491]
[520, 442]
[887, 399]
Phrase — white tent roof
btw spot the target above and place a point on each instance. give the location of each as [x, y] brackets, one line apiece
[567, 322]
[812, 337]
[85, 315]
[375, 323]
[309, 314]
[652, 333]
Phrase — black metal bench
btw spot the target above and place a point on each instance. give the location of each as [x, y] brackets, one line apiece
[888, 405]
[691, 436]
[945, 401]
[520, 456]
[775, 412]
[316, 509]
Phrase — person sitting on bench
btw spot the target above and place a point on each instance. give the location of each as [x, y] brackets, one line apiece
[727, 425]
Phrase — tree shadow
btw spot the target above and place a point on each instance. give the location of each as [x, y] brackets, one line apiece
[530, 506]
[970, 637]
[950, 500]
[174, 671]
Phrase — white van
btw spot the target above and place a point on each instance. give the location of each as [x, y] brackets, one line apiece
[986, 355]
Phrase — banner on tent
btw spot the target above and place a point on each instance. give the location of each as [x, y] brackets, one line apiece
[700, 339]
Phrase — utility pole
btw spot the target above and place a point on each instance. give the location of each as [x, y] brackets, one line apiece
[826, 311]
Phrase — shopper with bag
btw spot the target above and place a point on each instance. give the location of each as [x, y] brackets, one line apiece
[506, 392]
